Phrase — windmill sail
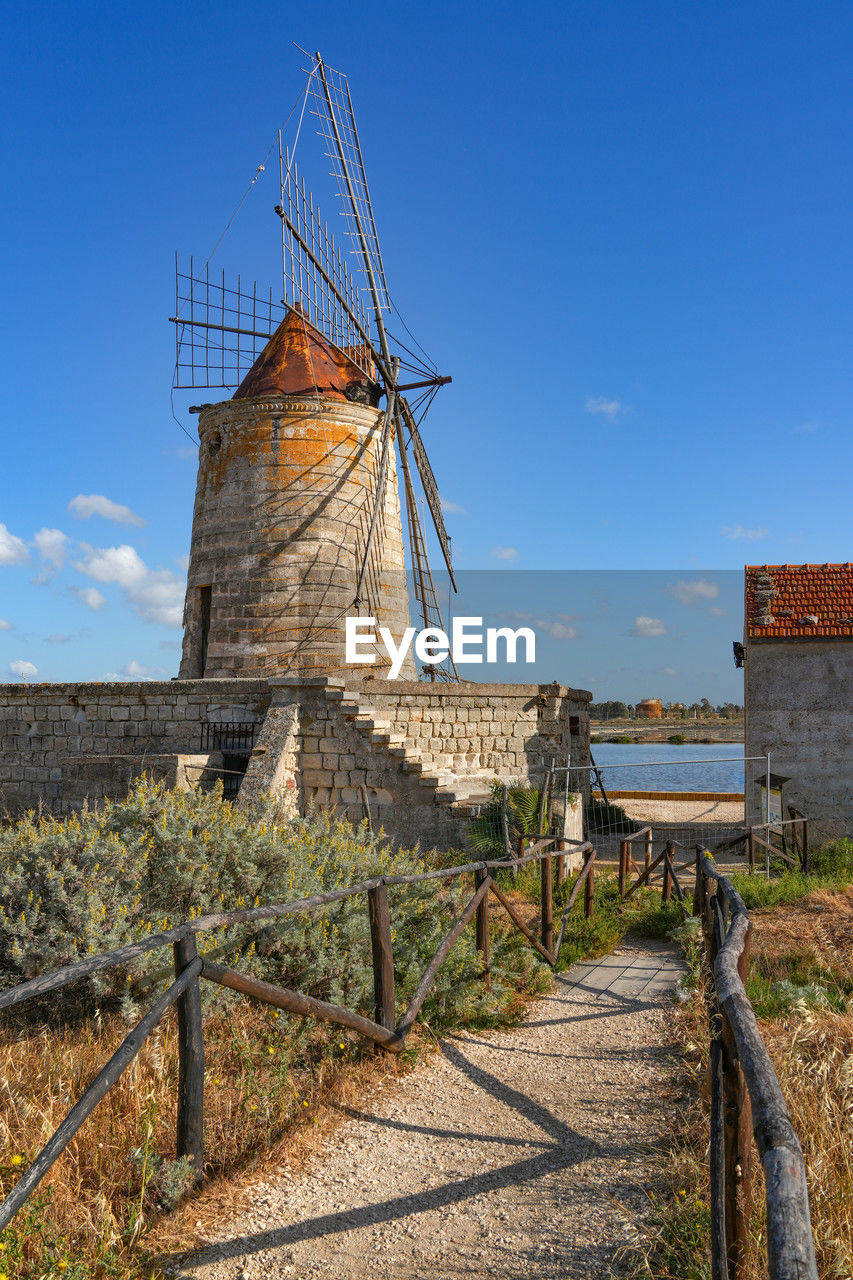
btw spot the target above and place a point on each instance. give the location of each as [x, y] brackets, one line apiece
[429, 485]
[336, 126]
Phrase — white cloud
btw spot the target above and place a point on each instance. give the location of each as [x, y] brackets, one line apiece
[51, 543]
[86, 505]
[58, 638]
[24, 670]
[691, 593]
[505, 553]
[4, 625]
[604, 408]
[155, 595]
[718, 612]
[805, 429]
[112, 564]
[160, 598]
[134, 670]
[13, 550]
[90, 597]
[644, 627]
[452, 508]
[555, 629]
[736, 531]
[670, 671]
[555, 625]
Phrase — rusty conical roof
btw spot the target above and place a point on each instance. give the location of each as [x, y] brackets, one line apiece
[299, 360]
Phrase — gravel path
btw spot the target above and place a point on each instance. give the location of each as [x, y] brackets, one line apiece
[516, 1153]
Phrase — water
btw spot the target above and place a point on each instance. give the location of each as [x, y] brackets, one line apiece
[639, 770]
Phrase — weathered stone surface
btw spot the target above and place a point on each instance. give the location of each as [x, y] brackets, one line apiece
[283, 506]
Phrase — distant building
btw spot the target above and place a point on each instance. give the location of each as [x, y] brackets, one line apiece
[798, 669]
[649, 709]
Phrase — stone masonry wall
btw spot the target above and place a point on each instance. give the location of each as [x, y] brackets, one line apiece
[798, 708]
[284, 499]
[61, 744]
[412, 756]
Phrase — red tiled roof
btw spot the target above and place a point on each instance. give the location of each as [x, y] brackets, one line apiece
[799, 601]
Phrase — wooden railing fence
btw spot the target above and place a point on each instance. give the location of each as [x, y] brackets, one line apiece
[772, 838]
[746, 1099]
[382, 1029]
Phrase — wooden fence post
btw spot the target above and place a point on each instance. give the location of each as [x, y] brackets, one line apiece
[483, 929]
[718, 1145]
[547, 902]
[190, 1129]
[560, 869]
[697, 884]
[623, 867]
[750, 841]
[666, 890]
[805, 832]
[383, 956]
[648, 858]
[738, 1139]
[589, 887]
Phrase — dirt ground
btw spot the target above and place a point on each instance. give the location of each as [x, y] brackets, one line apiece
[509, 1152]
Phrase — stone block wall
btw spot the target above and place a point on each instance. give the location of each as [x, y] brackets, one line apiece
[798, 708]
[412, 756]
[61, 744]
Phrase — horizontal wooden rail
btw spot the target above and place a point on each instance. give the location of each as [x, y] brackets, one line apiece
[296, 1002]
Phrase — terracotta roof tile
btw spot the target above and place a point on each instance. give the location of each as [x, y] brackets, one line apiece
[799, 601]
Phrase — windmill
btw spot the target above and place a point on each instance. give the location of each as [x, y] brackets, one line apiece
[221, 328]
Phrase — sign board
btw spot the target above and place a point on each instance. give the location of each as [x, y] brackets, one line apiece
[573, 830]
[774, 813]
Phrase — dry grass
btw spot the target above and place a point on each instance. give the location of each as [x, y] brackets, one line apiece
[811, 1047]
[812, 1052]
[272, 1094]
[821, 924]
[813, 1058]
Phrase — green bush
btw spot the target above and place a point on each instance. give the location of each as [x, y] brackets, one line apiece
[87, 884]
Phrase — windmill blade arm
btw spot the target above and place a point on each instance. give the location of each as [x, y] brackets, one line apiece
[429, 485]
[321, 270]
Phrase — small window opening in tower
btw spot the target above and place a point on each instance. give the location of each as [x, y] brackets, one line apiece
[204, 600]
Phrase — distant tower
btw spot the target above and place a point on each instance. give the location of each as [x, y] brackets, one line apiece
[286, 476]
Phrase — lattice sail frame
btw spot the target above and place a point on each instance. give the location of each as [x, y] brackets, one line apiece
[336, 126]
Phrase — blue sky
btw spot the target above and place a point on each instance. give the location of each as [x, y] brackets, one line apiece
[623, 228]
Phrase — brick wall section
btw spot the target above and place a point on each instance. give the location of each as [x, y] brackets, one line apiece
[459, 737]
[798, 708]
[61, 743]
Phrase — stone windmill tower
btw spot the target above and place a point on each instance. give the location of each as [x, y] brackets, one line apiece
[297, 522]
[287, 483]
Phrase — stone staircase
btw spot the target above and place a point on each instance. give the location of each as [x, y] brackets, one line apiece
[460, 793]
